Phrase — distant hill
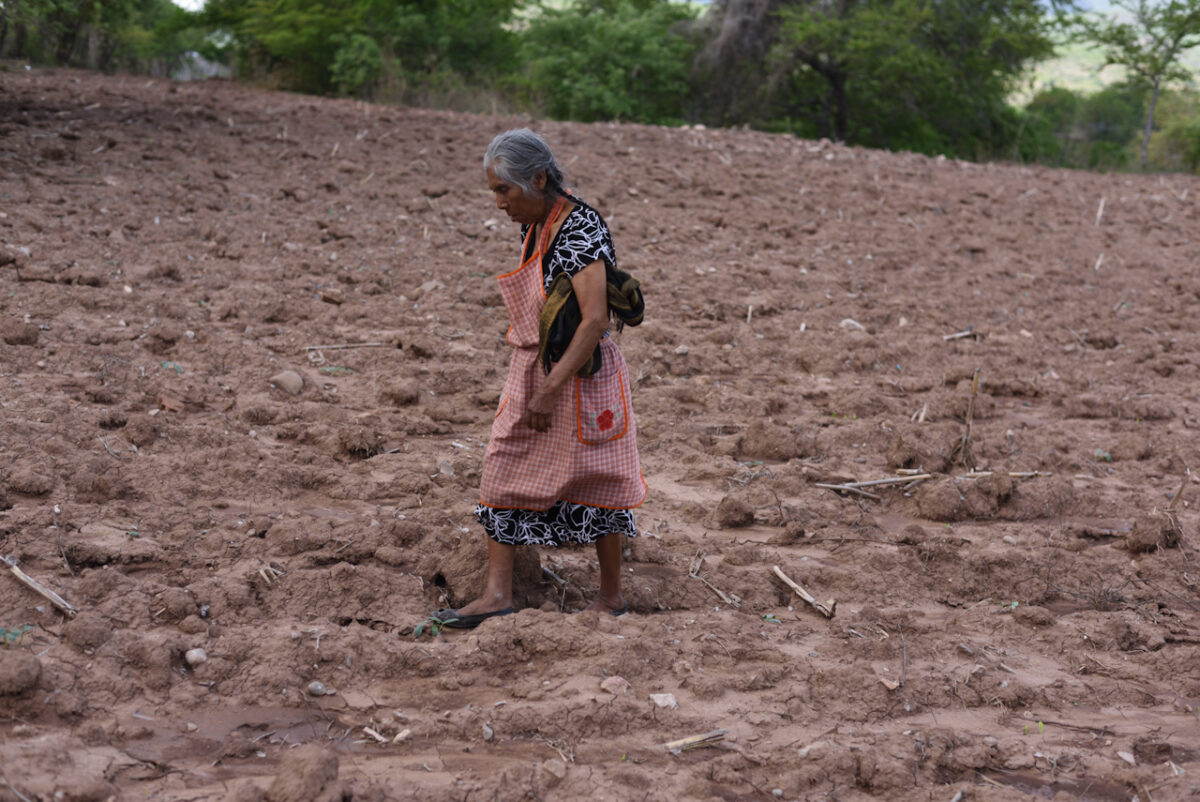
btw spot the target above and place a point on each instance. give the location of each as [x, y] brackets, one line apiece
[1079, 67]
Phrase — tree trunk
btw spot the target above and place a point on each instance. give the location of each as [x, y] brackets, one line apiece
[1149, 124]
[841, 116]
[20, 39]
[834, 116]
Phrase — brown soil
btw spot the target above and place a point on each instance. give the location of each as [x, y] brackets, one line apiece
[169, 252]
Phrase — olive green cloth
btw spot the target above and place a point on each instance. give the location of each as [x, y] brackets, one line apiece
[561, 316]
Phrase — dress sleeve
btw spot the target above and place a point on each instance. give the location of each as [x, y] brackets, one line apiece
[584, 239]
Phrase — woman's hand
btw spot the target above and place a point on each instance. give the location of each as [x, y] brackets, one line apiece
[539, 412]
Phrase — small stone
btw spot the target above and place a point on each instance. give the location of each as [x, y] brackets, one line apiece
[1010, 540]
[488, 733]
[617, 686]
[812, 750]
[191, 726]
[555, 768]
[1128, 758]
[316, 688]
[682, 350]
[665, 700]
[195, 657]
[289, 381]
[402, 736]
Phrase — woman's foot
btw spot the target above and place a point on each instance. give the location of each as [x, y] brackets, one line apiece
[488, 603]
[613, 607]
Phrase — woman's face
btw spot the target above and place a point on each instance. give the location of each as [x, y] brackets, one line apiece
[512, 200]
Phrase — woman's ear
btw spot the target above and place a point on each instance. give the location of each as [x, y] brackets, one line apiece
[539, 181]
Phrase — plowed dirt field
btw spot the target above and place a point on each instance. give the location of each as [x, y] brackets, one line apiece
[1023, 623]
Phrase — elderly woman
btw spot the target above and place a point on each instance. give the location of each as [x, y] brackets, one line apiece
[562, 464]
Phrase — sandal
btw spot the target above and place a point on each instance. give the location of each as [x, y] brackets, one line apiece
[453, 619]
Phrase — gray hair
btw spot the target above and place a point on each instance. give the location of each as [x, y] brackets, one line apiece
[518, 155]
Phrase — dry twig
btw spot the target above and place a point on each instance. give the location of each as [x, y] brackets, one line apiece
[826, 609]
[695, 741]
[30, 582]
[858, 491]
[106, 448]
[964, 447]
[341, 347]
[694, 572]
[969, 331]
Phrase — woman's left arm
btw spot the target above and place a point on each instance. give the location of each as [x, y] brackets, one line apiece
[591, 290]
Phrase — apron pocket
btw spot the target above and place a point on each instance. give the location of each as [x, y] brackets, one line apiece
[602, 409]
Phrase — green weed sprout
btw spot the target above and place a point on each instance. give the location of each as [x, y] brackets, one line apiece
[434, 624]
[11, 637]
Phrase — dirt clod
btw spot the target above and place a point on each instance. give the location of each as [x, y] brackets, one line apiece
[307, 774]
[16, 332]
[19, 671]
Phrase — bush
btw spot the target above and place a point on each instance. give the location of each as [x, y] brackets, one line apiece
[357, 64]
[1176, 145]
[620, 60]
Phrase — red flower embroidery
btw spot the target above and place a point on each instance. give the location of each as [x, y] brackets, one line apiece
[605, 420]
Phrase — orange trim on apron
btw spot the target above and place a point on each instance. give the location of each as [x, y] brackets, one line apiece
[523, 320]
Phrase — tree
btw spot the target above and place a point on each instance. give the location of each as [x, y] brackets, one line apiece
[104, 34]
[610, 59]
[921, 74]
[1147, 40]
[322, 45]
[926, 75]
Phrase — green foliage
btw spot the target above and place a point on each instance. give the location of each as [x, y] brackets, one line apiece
[906, 74]
[105, 34]
[1095, 131]
[433, 625]
[352, 46]
[1103, 130]
[1047, 131]
[609, 60]
[1146, 37]
[1108, 121]
[357, 64]
[932, 76]
[11, 637]
[1148, 40]
[1177, 145]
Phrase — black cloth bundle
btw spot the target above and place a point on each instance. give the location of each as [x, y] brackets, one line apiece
[561, 316]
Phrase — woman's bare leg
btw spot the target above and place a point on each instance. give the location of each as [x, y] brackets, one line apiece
[497, 594]
[608, 552]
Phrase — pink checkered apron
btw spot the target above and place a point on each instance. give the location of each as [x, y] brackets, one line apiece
[589, 455]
